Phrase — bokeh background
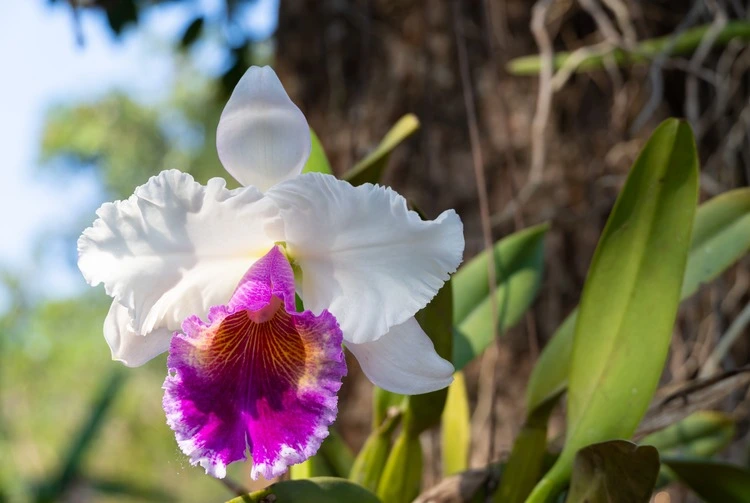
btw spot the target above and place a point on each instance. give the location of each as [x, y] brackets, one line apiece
[98, 95]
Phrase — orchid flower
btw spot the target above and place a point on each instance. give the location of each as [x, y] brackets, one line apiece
[210, 275]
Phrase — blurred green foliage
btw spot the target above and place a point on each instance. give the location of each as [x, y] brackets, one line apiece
[53, 363]
[221, 22]
[126, 142]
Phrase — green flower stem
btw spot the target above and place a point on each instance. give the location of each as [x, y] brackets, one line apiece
[671, 45]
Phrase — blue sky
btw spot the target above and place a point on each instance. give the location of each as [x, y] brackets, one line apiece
[44, 65]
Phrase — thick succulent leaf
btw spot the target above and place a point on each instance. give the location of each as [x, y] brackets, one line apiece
[549, 378]
[630, 299]
[318, 161]
[613, 472]
[721, 236]
[713, 481]
[703, 433]
[370, 462]
[519, 265]
[370, 169]
[456, 428]
[316, 466]
[315, 490]
[402, 476]
[382, 403]
[334, 459]
[337, 454]
[524, 466]
[699, 435]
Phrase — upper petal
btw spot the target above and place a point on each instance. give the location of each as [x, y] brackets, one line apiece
[404, 361]
[175, 247]
[128, 347]
[262, 138]
[364, 256]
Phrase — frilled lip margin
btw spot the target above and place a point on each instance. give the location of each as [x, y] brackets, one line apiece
[258, 377]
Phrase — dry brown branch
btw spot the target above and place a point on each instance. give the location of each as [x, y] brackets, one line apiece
[623, 17]
[677, 403]
[461, 487]
[602, 21]
[726, 342]
[562, 75]
[539, 122]
[733, 141]
[544, 96]
[705, 74]
[655, 76]
[488, 381]
[723, 84]
[735, 296]
[677, 358]
[692, 100]
[510, 159]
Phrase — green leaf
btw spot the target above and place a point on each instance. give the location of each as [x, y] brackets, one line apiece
[318, 161]
[524, 466]
[456, 429]
[315, 490]
[370, 169]
[402, 476]
[192, 32]
[337, 454]
[672, 45]
[701, 434]
[128, 490]
[315, 466]
[549, 377]
[382, 402]
[334, 459]
[713, 481]
[519, 265]
[630, 299]
[614, 472]
[370, 462]
[424, 411]
[721, 235]
[121, 14]
[83, 439]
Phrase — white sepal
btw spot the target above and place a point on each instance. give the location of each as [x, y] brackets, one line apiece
[262, 138]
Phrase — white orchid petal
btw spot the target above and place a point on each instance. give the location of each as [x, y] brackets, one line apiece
[175, 247]
[127, 347]
[262, 138]
[364, 256]
[403, 361]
